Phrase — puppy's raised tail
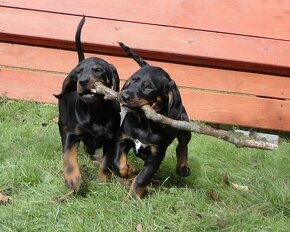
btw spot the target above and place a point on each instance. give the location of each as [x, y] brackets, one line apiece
[133, 55]
[78, 40]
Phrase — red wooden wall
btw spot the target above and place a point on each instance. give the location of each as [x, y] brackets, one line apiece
[231, 59]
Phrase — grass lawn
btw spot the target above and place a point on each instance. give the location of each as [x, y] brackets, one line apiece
[31, 173]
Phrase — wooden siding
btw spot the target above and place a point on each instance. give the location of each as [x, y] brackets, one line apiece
[230, 59]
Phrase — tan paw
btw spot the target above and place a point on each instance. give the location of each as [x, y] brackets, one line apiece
[72, 178]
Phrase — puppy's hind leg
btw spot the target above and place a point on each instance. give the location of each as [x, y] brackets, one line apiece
[120, 164]
[107, 161]
[182, 166]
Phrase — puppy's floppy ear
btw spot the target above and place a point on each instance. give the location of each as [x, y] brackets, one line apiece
[174, 100]
[115, 78]
[69, 84]
[133, 55]
[127, 83]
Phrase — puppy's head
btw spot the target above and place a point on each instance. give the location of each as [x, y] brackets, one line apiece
[87, 72]
[83, 77]
[150, 86]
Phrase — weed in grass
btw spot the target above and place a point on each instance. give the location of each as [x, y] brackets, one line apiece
[31, 173]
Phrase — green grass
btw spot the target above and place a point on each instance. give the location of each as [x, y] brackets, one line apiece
[31, 173]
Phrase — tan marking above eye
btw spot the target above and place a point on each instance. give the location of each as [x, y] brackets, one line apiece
[97, 68]
[79, 70]
[135, 78]
[146, 84]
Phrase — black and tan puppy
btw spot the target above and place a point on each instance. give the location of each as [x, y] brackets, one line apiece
[85, 116]
[149, 140]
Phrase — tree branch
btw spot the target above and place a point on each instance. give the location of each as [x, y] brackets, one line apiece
[151, 114]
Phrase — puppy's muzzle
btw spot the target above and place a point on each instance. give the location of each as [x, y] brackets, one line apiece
[84, 83]
[125, 97]
[127, 101]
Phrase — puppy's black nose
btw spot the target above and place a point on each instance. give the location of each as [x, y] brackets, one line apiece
[125, 97]
[84, 82]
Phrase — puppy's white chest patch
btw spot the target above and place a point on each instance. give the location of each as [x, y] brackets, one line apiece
[122, 114]
[139, 145]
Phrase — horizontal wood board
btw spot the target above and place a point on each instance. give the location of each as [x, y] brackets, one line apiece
[154, 41]
[231, 68]
[56, 60]
[247, 17]
[201, 105]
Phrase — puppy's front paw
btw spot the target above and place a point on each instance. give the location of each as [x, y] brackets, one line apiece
[183, 171]
[132, 195]
[136, 191]
[72, 178]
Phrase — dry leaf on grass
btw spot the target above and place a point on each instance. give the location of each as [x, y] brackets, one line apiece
[213, 195]
[233, 185]
[139, 227]
[55, 119]
[4, 199]
[240, 187]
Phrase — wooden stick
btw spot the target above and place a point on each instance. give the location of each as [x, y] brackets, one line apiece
[151, 114]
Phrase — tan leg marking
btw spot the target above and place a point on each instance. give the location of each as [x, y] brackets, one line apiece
[125, 170]
[182, 166]
[71, 169]
[104, 175]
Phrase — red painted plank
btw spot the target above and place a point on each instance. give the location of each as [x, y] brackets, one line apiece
[185, 75]
[256, 18]
[202, 106]
[26, 85]
[191, 46]
[237, 110]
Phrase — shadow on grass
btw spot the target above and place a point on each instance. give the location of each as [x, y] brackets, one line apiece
[165, 178]
[89, 175]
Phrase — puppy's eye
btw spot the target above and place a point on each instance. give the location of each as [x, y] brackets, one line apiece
[147, 86]
[79, 71]
[135, 78]
[97, 69]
